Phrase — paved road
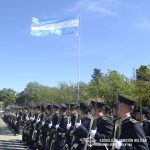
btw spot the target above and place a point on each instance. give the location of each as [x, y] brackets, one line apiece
[8, 141]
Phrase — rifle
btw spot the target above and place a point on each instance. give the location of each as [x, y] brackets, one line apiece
[117, 126]
[78, 118]
[92, 125]
[52, 146]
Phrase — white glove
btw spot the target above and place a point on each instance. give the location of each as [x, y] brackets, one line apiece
[78, 124]
[27, 118]
[56, 126]
[38, 121]
[117, 144]
[75, 145]
[32, 118]
[50, 125]
[68, 126]
[92, 133]
[35, 131]
[43, 123]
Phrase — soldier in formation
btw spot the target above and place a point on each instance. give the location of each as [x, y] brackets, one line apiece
[81, 127]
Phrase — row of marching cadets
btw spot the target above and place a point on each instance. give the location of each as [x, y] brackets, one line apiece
[13, 119]
[86, 127]
[94, 127]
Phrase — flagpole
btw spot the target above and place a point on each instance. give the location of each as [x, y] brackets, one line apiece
[78, 85]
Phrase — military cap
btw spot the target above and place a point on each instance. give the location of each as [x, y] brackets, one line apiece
[125, 101]
[49, 107]
[84, 107]
[100, 105]
[38, 107]
[107, 108]
[67, 104]
[93, 103]
[145, 110]
[63, 106]
[42, 108]
[56, 106]
[73, 106]
[137, 110]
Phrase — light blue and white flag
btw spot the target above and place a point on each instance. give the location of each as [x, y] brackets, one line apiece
[59, 26]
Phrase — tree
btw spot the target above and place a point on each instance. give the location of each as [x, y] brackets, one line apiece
[35, 93]
[143, 73]
[96, 74]
[8, 96]
[95, 83]
[142, 89]
[117, 83]
[107, 85]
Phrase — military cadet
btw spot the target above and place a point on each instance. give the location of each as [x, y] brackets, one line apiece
[23, 125]
[62, 128]
[54, 125]
[18, 121]
[142, 116]
[104, 126]
[40, 129]
[73, 114]
[82, 127]
[46, 129]
[131, 135]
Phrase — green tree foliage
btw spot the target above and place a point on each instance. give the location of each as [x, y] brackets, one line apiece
[8, 96]
[143, 84]
[84, 92]
[104, 86]
[35, 93]
[96, 74]
[97, 77]
[143, 73]
[107, 85]
[66, 92]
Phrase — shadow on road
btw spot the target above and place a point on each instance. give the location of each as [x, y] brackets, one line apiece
[12, 145]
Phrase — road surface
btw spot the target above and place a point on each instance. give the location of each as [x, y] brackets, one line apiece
[8, 140]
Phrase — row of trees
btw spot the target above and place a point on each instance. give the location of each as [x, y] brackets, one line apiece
[102, 86]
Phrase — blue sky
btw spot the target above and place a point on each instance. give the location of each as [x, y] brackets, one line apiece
[115, 34]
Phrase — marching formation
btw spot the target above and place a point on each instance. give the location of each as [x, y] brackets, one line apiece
[96, 126]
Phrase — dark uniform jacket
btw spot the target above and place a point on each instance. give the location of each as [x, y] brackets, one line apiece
[146, 127]
[131, 129]
[105, 127]
[82, 132]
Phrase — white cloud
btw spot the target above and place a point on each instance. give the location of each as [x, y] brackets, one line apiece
[99, 7]
[143, 24]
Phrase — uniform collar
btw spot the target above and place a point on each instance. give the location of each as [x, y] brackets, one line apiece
[126, 118]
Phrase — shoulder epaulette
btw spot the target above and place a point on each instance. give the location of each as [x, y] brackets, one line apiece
[148, 121]
[105, 118]
[117, 121]
[133, 120]
[89, 117]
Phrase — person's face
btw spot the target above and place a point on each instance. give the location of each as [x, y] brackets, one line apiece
[123, 109]
[55, 110]
[81, 112]
[142, 117]
[92, 111]
[99, 112]
[138, 116]
[74, 111]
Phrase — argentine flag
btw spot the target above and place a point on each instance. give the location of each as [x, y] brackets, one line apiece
[59, 26]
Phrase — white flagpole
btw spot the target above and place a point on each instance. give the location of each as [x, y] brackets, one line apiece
[78, 85]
